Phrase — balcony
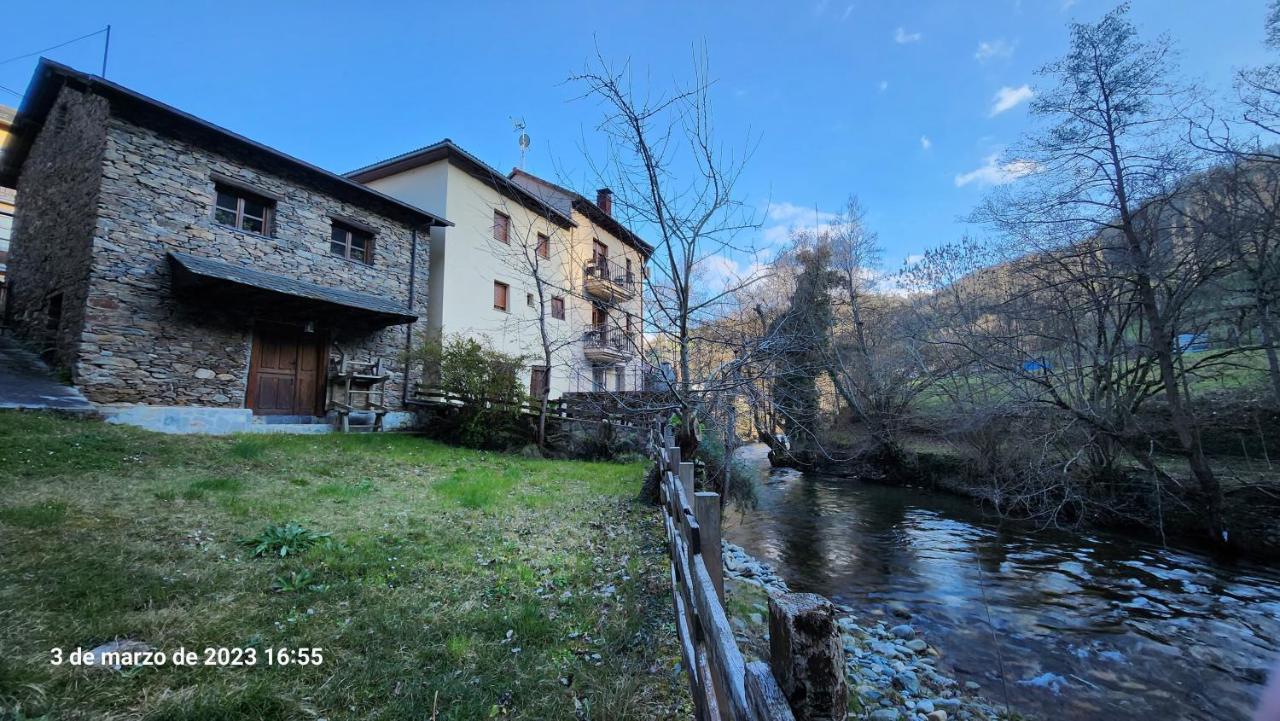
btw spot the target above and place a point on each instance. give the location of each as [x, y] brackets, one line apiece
[606, 344]
[609, 281]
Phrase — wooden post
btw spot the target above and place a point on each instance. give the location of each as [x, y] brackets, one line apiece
[686, 479]
[806, 656]
[763, 695]
[706, 506]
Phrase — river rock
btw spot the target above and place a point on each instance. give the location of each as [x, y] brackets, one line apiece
[924, 706]
[917, 645]
[938, 715]
[885, 714]
[903, 631]
[907, 681]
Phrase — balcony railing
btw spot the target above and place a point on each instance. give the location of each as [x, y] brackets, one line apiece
[609, 280]
[605, 342]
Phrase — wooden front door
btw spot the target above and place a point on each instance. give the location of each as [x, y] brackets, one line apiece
[285, 371]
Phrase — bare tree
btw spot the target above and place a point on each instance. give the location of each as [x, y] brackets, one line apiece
[1111, 166]
[672, 176]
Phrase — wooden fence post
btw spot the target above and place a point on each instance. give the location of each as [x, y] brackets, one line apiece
[763, 695]
[706, 506]
[806, 656]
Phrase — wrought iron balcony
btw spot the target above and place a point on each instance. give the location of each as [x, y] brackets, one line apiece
[606, 344]
[609, 281]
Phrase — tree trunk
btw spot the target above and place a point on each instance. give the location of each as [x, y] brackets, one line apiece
[1267, 331]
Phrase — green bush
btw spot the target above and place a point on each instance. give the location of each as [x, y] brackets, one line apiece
[290, 538]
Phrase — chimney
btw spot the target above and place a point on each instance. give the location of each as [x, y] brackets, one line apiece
[604, 199]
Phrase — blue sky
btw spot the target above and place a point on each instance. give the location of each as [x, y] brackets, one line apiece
[898, 102]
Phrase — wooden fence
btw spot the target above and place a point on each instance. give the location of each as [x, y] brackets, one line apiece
[571, 407]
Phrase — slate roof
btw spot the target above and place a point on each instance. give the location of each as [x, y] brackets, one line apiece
[149, 112]
[207, 268]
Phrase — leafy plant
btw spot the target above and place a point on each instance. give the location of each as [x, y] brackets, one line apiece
[291, 538]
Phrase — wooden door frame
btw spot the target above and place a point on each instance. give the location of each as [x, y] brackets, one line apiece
[322, 363]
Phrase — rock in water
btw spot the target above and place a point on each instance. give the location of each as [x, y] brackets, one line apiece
[885, 714]
[903, 631]
[938, 715]
[917, 645]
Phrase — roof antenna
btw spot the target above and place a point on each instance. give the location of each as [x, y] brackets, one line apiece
[519, 126]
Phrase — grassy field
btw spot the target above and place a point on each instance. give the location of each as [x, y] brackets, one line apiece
[453, 585]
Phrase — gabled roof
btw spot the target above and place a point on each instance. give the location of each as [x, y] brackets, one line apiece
[448, 150]
[561, 196]
[50, 77]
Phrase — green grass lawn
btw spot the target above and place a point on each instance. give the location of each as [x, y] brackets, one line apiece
[454, 584]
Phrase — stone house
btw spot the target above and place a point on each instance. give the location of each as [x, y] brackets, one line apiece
[191, 279]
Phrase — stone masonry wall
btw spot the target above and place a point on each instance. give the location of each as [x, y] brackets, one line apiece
[142, 344]
[53, 225]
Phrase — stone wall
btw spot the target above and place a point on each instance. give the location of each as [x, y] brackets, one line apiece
[53, 226]
[142, 344]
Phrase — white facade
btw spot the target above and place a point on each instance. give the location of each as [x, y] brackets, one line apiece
[595, 346]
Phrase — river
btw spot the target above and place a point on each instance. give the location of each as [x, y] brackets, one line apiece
[1085, 626]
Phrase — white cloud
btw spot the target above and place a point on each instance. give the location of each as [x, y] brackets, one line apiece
[847, 12]
[994, 172]
[913, 259]
[1066, 4]
[902, 37]
[721, 271]
[1007, 98]
[989, 49]
[884, 85]
[785, 217]
[925, 142]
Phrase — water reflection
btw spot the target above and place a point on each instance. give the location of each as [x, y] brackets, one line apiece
[1087, 626]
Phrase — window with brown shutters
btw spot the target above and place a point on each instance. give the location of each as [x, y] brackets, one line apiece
[501, 227]
[544, 246]
[557, 308]
[500, 293]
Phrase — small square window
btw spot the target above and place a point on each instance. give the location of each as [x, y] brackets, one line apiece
[528, 299]
[242, 210]
[557, 308]
[501, 227]
[351, 243]
[500, 293]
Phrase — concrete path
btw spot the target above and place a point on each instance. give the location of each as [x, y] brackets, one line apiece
[27, 383]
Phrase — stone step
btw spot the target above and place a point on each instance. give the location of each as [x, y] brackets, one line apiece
[289, 428]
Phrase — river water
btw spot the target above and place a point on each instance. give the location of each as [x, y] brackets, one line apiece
[1081, 626]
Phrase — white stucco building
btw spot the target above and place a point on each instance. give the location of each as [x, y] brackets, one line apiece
[510, 230]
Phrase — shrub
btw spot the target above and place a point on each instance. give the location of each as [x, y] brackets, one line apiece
[487, 382]
[290, 538]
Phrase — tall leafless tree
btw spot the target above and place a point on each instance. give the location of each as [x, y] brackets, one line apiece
[674, 178]
[1110, 164]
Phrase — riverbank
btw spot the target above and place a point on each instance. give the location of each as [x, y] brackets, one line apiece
[894, 673]
[1250, 481]
[430, 581]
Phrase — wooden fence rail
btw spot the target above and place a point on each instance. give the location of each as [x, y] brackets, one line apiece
[723, 686]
